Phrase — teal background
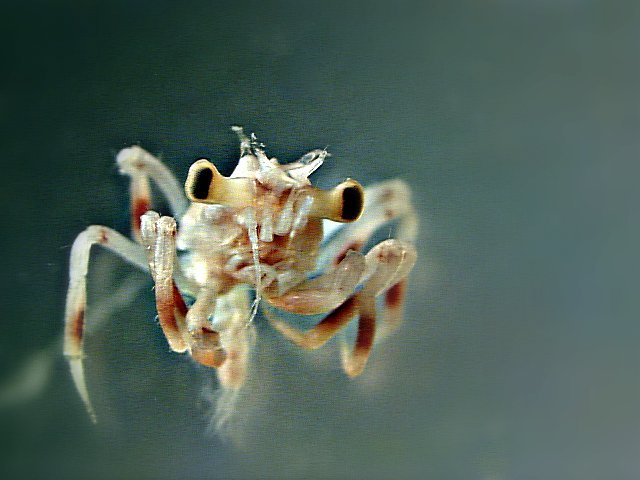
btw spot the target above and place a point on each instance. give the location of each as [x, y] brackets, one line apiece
[515, 123]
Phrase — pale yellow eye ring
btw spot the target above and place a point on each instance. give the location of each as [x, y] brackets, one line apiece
[343, 203]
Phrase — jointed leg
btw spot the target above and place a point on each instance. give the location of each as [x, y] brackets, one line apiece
[387, 265]
[185, 329]
[236, 336]
[326, 292]
[355, 359]
[158, 236]
[384, 202]
[141, 166]
[203, 340]
[393, 303]
[317, 336]
[77, 294]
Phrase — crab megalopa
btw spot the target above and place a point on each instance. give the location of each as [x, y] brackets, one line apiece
[264, 228]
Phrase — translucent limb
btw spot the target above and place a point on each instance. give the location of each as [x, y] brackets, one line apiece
[326, 292]
[384, 202]
[320, 334]
[77, 294]
[236, 336]
[141, 166]
[159, 237]
[186, 330]
[382, 269]
[388, 264]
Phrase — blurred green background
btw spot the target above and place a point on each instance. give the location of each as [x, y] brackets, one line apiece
[516, 123]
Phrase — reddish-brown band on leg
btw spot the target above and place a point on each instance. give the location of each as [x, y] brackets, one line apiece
[165, 304]
[204, 345]
[354, 361]
[394, 301]
[355, 245]
[323, 331]
[206, 348]
[74, 330]
[139, 206]
[75, 305]
[395, 295]
[140, 193]
[178, 301]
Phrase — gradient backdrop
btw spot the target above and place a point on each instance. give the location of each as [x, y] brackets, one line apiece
[517, 125]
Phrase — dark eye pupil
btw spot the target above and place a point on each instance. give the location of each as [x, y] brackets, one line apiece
[201, 183]
[351, 203]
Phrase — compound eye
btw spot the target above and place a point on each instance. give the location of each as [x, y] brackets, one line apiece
[352, 202]
[343, 203]
[201, 181]
[205, 185]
